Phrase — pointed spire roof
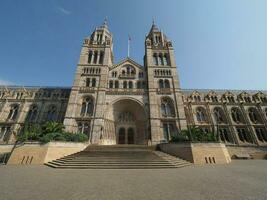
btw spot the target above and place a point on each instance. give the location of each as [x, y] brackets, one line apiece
[154, 27]
[105, 23]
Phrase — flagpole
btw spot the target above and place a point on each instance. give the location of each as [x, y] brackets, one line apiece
[128, 46]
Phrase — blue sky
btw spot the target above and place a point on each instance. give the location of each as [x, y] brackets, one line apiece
[218, 43]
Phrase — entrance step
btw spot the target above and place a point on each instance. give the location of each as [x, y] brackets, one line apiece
[118, 157]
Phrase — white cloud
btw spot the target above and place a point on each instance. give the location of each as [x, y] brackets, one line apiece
[5, 82]
[64, 11]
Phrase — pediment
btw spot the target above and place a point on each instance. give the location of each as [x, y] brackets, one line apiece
[127, 61]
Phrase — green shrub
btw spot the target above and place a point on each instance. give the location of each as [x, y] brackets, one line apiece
[79, 137]
[179, 138]
[195, 134]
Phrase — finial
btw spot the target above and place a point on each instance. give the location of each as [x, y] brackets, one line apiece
[153, 21]
[106, 21]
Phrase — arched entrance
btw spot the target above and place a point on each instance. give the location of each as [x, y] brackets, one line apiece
[130, 122]
[126, 136]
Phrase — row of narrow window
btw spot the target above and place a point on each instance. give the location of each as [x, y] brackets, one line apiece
[162, 72]
[125, 73]
[161, 59]
[230, 99]
[236, 115]
[91, 70]
[90, 82]
[164, 83]
[51, 114]
[127, 84]
[96, 57]
[20, 95]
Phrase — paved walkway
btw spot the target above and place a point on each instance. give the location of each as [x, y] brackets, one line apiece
[239, 180]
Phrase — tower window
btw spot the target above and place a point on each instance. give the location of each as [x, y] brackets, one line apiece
[116, 84]
[167, 107]
[101, 60]
[165, 59]
[95, 57]
[87, 107]
[155, 59]
[90, 56]
[124, 84]
[93, 82]
[161, 59]
[110, 84]
[130, 84]
[88, 81]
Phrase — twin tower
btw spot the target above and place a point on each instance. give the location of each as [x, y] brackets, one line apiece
[126, 103]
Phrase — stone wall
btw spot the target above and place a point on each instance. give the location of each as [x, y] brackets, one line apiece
[198, 153]
[35, 153]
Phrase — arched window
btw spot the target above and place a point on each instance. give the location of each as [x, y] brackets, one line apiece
[161, 59]
[253, 115]
[167, 108]
[219, 115]
[261, 134]
[13, 113]
[84, 127]
[101, 60]
[90, 56]
[231, 99]
[110, 84]
[52, 113]
[201, 114]
[87, 107]
[155, 59]
[128, 70]
[236, 115]
[32, 114]
[224, 135]
[124, 84]
[87, 82]
[244, 135]
[166, 83]
[247, 99]
[95, 57]
[161, 83]
[130, 84]
[116, 84]
[169, 130]
[197, 98]
[214, 98]
[93, 82]
[165, 59]
[4, 133]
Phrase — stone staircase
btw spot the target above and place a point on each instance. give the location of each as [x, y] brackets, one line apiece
[118, 157]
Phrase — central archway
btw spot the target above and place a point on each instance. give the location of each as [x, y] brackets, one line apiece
[130, 120]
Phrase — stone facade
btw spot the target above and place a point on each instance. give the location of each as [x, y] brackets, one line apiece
[127, 103]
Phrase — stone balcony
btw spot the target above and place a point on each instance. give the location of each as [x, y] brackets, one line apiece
[164, 91]
[123, 91]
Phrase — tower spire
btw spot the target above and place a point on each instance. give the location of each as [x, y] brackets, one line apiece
[105, 23]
